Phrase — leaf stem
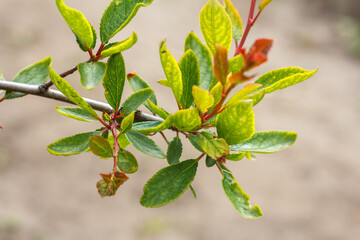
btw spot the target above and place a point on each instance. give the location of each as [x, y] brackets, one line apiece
[163, 135]
[200, 157]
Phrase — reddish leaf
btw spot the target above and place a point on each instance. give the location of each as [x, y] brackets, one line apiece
[257, 54]
[110, 183]
[221, 64]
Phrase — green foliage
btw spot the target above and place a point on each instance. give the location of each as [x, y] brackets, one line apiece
[114, 80]
[190, 73]
[69, 92]
[169, 184]
[71, 145]
[266, 142]
[239, 198]
[204, 59]
[118, 14]
[76, 113]
[34, 74]
[78, 24]
[203, 82]
[215, 25]
[174, 151]
[91, 74]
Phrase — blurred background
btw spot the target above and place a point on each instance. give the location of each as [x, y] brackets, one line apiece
[310, 191]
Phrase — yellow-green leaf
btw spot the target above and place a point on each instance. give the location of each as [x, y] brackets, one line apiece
[215, 25]
[263, 4]
[236, 22]
[157, 110]
[214, 148]
[202, 98]
[120, 46]
[77, 22]
[127, 123]
[171, 70]
[76, 113]
[243, 93]
[127, 162]
[91, 74]
[70, 93]
[239, 198]
[187, 120]
[100, 146]
[236, 123]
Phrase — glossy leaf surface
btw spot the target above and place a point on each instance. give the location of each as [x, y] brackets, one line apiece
[137, 84]
[77, 22]
[215, 25]
[135, 100]
[190, 73]
[236, 22]
[76, 113]
[127, 123]
[204, 58]
[174, 151]
[169, 184]
[117, 15]
[91, 74]
[282, 78]
[34, 74]
[214, 148]
[114, 80]
[172, 71]
[187, 120]
[127, 162]
[202, 98]
[239, 198]
[236, 123]
[70, 93]
[144, 144]
[266, 142]
[71, 145]
[120, 46]
[100, 146]
[243, 93]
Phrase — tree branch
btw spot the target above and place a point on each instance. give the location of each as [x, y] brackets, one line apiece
[56, 95]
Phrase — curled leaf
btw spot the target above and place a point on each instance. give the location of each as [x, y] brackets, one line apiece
[110, 183]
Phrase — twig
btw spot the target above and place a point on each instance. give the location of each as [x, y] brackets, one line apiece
[56, 95]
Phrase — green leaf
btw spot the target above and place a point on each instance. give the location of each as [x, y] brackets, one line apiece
[221, 64]
[77, 22]
[137, 84]
[110, 183]
[209, 161]
[34, 74]
[282, 78]
[100, 146]
[235, 156]
[263, 4]
[127, 123]
[133, 102]
[117, 15]
[120, 46]
[239, 198]
[215, 25]
[164, 82]
[214, 148]
[172, 71]
[174, 151]
[114, 80]
[236, 22]
[122, 140]
[71, 145]
[256, 96]
[169, 184]
[236, 123]
[70, 93]
[243, 93]
[266, 142]
[91, 74]
[187, 120]
[203, 99]
[82, 45]
[204, 58]
[148, 127]
[76, 113]
[144, 144]
[127, 162]
[236, 63]
[157, 110]
[216, 92]
[195, 142]
[190, 73]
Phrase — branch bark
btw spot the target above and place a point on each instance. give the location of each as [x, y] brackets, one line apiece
[56, 95]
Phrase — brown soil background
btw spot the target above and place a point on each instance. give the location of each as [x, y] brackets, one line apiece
[310, 191]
